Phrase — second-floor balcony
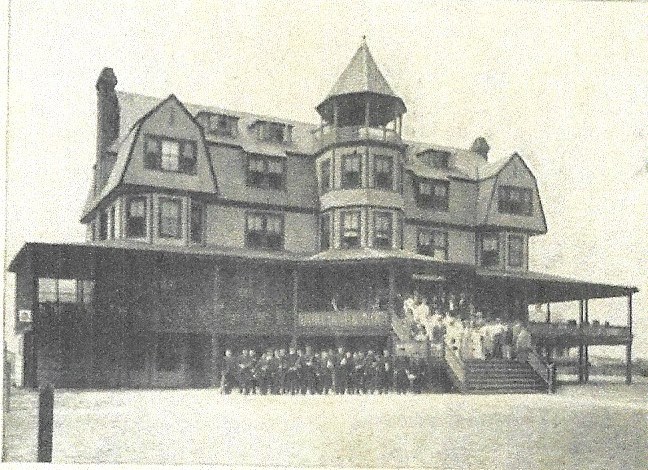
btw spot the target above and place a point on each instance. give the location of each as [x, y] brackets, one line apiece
[343, 323]
[327, 135]
[570, 334]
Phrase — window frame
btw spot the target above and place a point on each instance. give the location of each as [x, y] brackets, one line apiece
[325, 229]
[325, 176]
[521, 238]
[153, 160]
[383, 186]
[343, 229]
[112, 220]
[344, 178]
[103, 225]
[263, 235]
[129, 228]
[433, 247]
[201, 230]
[390, 235]
[506, 204]
[432, 201]
[229, 129]
[263, 179]
[179, 224]
[483, 238]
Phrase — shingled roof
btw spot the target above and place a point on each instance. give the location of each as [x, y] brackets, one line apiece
[362, 76]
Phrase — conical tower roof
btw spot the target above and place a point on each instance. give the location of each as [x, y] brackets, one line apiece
[361, 76]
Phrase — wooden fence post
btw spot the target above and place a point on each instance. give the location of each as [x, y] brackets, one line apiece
[45, 423]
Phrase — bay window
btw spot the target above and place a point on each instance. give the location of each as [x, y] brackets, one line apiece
[350, 233]
[490, 250]
[351, 171]
[382, 230]
[136, 217]
[170, 218]
[383, 172]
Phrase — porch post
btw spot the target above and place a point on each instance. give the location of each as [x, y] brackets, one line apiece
[214, 379]
[392, 293]
[548, 312]
[295, 305]
[629, 344]
[581, 348]
[587, 367]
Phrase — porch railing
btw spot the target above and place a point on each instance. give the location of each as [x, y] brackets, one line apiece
[345, 320]
[544, 370]
[574, 334]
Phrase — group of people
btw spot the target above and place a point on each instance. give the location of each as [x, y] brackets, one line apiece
[473, 335]
[303, 371]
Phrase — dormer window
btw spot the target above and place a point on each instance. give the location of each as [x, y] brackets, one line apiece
[273, 132]
[222, 125]
[383, 172]
[515, 200]
[432, 194]
[436, 158]
[166, 154]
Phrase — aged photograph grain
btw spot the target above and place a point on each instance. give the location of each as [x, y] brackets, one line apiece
[326, 234]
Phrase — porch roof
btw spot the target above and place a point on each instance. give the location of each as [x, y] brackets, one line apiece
[543, 287]
[71, 260]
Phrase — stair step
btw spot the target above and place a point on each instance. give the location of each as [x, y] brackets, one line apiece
[505, 392]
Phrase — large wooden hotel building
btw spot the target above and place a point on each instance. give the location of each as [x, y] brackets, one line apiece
[210, 229]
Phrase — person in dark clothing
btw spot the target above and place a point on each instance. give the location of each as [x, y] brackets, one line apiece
[339, 381]
[401, 380]
[293, 371]
[228, 373]
[326, 371]
[347, 365]
[385, 372]
[245, 372]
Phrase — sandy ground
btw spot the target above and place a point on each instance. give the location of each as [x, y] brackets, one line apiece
[590, 426]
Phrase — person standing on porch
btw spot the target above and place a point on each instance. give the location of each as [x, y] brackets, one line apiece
[523, 345]
[422, 312]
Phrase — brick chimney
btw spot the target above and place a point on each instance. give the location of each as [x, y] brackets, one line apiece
[481, 147]
[107, 124]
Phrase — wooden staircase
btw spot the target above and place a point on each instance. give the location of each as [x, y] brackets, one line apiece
[498, 375]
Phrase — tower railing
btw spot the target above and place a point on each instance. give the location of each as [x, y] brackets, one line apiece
[328, 134]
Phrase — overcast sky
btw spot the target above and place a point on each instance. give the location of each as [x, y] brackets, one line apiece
[563, 84]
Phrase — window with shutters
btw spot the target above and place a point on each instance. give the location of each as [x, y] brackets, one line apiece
[166, 154]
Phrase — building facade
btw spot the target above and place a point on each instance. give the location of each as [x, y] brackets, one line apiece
[210, 229]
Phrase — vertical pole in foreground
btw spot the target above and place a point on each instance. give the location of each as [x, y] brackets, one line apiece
[45, 423]
[295, 306]
[581, 348]
[629, 344]
[586, 361]
[392, 295]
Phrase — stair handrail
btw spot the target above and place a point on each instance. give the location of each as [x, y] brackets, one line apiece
[543, 369]
[456, 365]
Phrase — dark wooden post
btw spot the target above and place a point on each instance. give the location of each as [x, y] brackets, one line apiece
[548, 319]
[45, 423]
[295, 305]
[581, 349]
[215, 343]
[586, 371]
[629, 344]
